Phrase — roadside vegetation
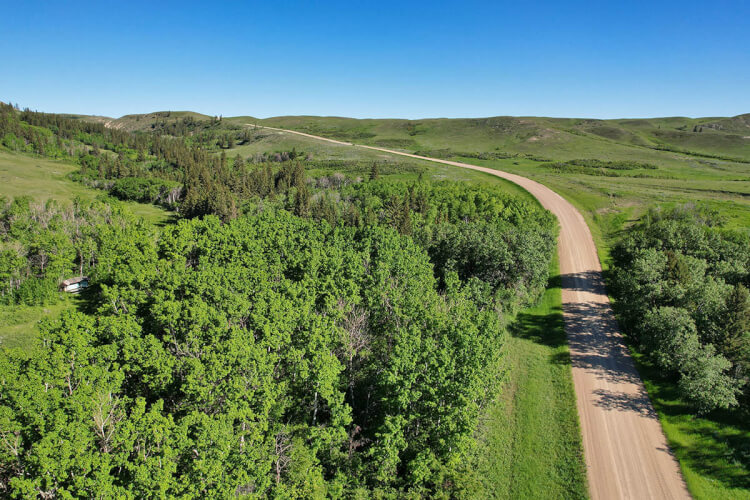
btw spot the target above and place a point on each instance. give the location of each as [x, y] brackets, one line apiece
[680, 282]
[529, 438]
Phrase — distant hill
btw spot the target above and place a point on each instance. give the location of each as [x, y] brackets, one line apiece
[132, 123]
[553, 138]
[560, 138]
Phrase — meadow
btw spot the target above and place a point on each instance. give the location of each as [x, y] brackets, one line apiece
[43, 179]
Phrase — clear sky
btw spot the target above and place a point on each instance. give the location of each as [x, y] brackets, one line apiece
[404, 59]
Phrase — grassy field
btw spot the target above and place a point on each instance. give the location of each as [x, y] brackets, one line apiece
[18, 323]
[530, 442]
[44, 179]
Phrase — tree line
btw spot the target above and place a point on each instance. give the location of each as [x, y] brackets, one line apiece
[681, 283]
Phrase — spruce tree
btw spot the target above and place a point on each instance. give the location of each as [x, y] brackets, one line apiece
[404, 222]
[239, 163]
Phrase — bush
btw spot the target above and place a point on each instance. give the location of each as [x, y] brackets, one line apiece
[37, 292]
[147, 190]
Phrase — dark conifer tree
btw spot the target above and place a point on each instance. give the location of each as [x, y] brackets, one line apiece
[404, 222]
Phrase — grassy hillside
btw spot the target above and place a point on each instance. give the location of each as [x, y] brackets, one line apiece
[554, 138]
[44, 179]
[549, 137]
[131, 123]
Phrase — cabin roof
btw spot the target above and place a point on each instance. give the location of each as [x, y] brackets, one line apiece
[73, 281]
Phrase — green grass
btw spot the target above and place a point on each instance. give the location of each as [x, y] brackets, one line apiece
[18, 324]
[530, 441]
[44, 179]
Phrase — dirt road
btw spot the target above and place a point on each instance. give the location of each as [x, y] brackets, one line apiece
[626, 452]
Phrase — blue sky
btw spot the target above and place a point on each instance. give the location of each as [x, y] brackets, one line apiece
[379, 59]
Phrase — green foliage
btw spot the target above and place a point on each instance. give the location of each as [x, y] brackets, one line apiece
[41, 245]
[679, 282]
[339, 339]
[147, 190]
[271, 355]
[597, 167]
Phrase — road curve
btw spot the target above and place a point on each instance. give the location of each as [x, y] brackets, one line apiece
[627, 455]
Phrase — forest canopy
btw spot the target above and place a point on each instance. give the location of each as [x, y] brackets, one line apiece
[287, 336]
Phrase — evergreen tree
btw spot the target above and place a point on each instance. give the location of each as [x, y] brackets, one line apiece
[404, 222]
[239, 163]
[302, 201]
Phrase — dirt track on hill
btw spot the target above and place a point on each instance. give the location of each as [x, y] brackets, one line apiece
[627, 455]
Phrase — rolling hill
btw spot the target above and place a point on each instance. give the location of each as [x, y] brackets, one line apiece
[555, 138]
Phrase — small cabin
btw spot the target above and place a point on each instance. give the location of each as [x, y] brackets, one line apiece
[75, 285]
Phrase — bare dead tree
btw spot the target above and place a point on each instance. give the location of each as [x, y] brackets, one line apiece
[105, 418]
[355, 327]
[282, 447]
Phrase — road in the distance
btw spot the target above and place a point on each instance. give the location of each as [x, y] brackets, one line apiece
[626, 452]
